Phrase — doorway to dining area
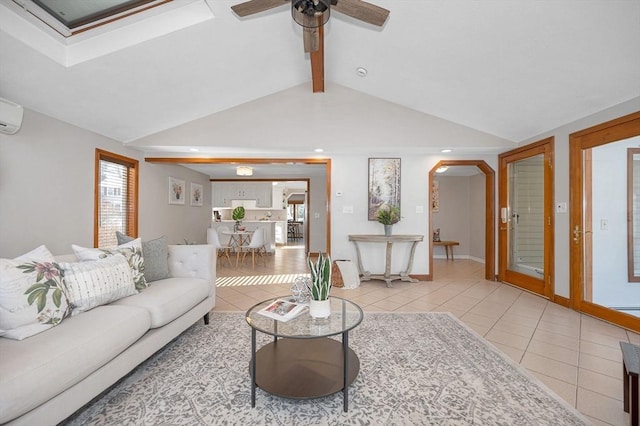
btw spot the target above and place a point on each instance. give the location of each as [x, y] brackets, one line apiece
[288, 242]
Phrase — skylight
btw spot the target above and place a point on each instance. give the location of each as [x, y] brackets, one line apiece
[69, 17]
[87, 33]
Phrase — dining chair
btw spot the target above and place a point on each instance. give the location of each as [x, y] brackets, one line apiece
[214, 240]
[256, 246]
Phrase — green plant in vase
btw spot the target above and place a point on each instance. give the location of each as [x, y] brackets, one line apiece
[319, 286]
[388, 215]
[238, 215]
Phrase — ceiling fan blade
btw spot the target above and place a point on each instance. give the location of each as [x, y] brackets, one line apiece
[252, 7]
[361, 10]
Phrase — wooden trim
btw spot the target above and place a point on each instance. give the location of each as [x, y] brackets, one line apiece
[611, 131]
[238, 160]
[489, 239]
[630, 191]
[421, 277]
[587, 235]
[579, 144]
[235, 160]
[317, 63]
[545, 286]
[562, 301]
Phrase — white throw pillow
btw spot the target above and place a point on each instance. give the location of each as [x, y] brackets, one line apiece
[32, 294]
[91, 284]
[132, 251]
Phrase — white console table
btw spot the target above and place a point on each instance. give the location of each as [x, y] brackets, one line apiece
[389, 240]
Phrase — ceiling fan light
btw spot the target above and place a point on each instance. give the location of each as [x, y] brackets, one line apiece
[244, 171]
[310, 13]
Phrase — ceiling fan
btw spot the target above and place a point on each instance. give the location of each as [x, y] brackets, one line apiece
[312, 15]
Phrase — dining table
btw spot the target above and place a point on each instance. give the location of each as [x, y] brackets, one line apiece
[237, 240]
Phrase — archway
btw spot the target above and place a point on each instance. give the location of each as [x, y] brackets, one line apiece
[489, 213]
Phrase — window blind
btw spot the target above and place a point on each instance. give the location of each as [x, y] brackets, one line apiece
[116, 187]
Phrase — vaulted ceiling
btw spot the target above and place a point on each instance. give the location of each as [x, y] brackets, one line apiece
[512, 69]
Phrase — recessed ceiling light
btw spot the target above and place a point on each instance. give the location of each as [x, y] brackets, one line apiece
[362, 72]
[442, 169]
[446, 150]
[318, 150]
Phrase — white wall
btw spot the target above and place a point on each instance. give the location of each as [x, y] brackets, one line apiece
[477, 219]
[561, 181]
[350, 178]
[47, 190]
[609, 194]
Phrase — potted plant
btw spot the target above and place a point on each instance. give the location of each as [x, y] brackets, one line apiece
[388, 215]
[319, 286]
[237, 215]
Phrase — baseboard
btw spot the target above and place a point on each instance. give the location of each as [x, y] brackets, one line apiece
[562, 301]
[421, 277]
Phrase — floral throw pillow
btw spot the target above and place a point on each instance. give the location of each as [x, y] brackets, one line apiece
[132, 251]
[33, 296]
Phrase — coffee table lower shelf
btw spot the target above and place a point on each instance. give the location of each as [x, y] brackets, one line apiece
[304, 368]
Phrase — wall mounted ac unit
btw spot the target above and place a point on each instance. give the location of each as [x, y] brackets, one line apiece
[10, 117]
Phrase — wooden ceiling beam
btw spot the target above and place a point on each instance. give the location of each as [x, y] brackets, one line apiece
[317, 63]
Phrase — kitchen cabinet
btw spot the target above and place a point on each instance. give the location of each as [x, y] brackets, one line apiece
[281, 232]
[224, 192]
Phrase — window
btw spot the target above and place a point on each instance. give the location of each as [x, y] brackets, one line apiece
[116, 203]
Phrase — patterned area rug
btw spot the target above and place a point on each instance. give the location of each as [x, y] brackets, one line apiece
[426, 368]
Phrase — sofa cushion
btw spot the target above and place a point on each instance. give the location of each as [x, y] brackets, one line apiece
[91, 284]
[32, 294]
[156, 254]
[168, 299]
[131, 250]
[36, 369]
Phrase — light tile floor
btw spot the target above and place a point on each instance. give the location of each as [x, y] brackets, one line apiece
[575, 355]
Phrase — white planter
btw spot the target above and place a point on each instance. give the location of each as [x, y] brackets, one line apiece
[320, 308]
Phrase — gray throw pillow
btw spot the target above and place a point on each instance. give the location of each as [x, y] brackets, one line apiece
[155, 254]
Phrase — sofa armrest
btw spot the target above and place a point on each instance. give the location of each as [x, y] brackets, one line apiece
[192, 261]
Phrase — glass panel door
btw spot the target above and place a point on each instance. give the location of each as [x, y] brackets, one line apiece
[525, 204]
[526, 223]
[603, 221]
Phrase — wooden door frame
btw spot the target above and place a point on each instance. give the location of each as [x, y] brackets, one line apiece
[611, 131]
[490, 231]
[545, 147]
[310, 161]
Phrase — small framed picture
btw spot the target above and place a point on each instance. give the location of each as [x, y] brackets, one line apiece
[177, 191]
[196, 194]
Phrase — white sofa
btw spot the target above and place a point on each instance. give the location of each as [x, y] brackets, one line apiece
[47, 377]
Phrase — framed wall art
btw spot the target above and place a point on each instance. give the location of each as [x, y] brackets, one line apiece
[435, 197]
[384, 184]
[177, 192]
[196, 194]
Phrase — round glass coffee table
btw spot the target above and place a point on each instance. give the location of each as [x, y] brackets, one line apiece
[303, 362]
